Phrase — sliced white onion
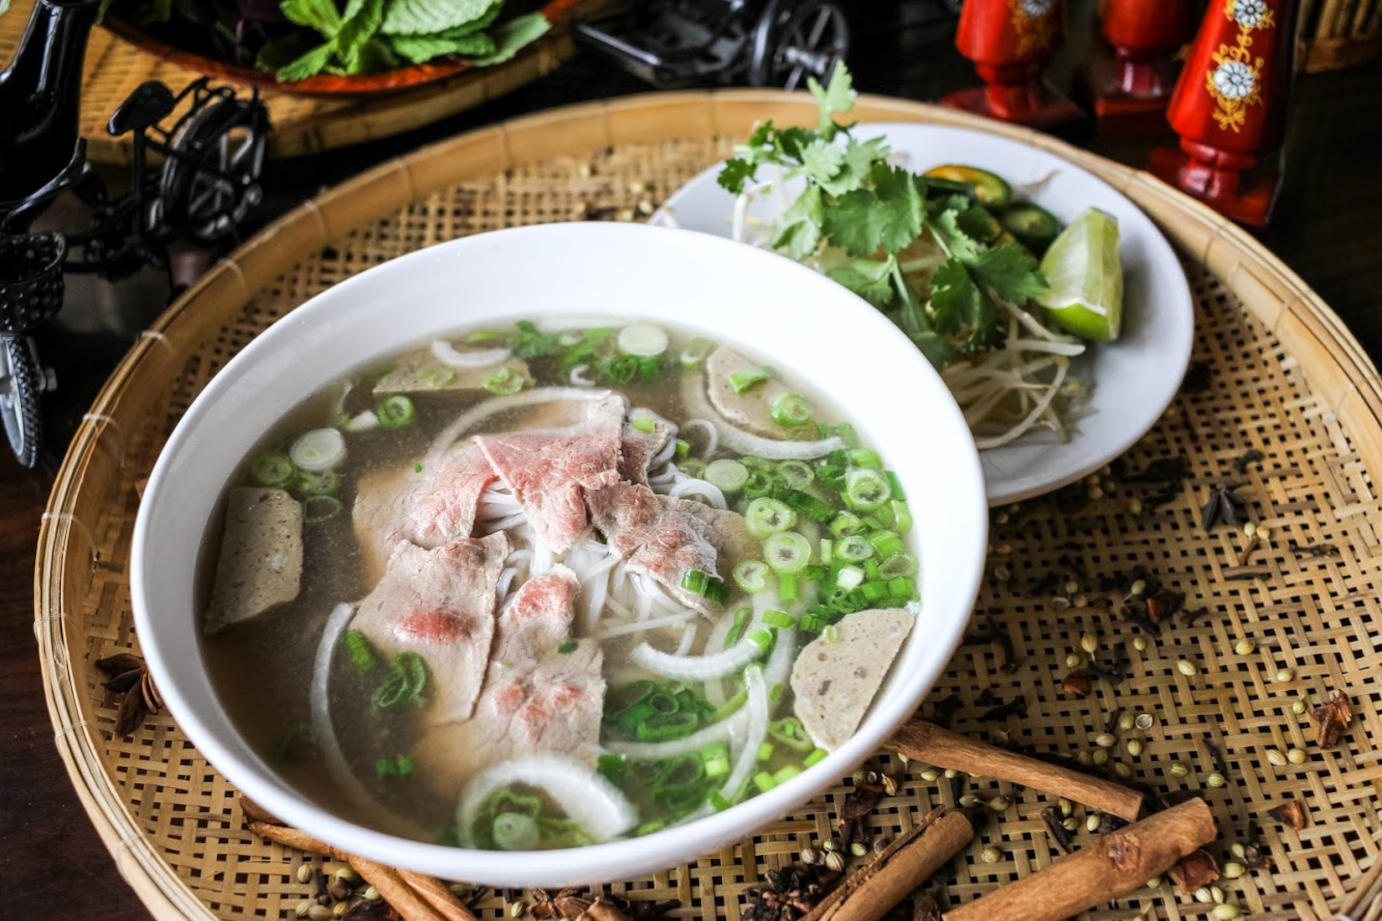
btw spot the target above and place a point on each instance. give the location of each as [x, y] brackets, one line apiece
[578, 378]
[363, 422]
[587, 798]
[712, 437]
[736, 439]
[755, 712]
[476, 414]
[639, 626]
[696, 668]
[581, 321]
[688, 637]
[704, 489]
[780, 662]
[318, 450]
[445, 353]
[721, 731]
[645, 340]
[319, 700]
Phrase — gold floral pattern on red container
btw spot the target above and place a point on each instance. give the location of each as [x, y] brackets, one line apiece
[1235, 80]
[1035, 24]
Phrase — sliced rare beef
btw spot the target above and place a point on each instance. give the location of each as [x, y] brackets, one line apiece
[637, 448]
[667, 537]
[426, 508]
[439, 603]
[543, 691]
[547, 471]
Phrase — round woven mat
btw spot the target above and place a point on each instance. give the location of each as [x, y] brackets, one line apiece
[1275, 372]
[301, 124]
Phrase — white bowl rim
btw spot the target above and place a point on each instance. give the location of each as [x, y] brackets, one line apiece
[597, 862]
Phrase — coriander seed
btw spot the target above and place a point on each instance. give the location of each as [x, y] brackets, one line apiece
[1135, 506]
[1134, 747]
[969, 799]
[1125, 722]
[1080, 601]
[1215, 779]
[835, 861]
[1105, 740]
[339, 909]
[1089, 643]
[1071, 824]
[1233, 869]
[1224, 912]
[1249, 529]
[1066, 807]
[1071, 587]
[990, 854]
[1276, 757]
[1091, 822]
[1178, 769]
[1139, 643]
[1286, 674]
[1244, 647]
[1186, 668]
[1099, 756]
[930, 775]
[830, 845]
[1237, 850]
[1297, 756]
[1074, 660]
[304, 907]
[1216, 894]
[304, 873]
[1138, 587]
[517, 909]
[1154, 882]
[889, 784]
[951, 773]
[1297, 707]
[1082, 758]
[1203, 895]
[858, 849]
[371, 894]
[809, 856]
[1000, 804]
[1144, 721]
[1122, 769]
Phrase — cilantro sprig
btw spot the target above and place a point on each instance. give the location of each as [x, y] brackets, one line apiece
[859, 212]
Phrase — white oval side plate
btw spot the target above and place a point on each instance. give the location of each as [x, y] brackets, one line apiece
[1134, 379]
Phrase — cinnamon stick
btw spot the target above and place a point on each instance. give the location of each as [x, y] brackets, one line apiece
[1115, 865]
[935, 745]
[904, 865]
[437, 894]
[390, 884]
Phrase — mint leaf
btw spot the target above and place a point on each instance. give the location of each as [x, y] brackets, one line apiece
[836, 97]
[427, 17]
[513, 36]
[362, 20]
[1011, 271]
[308, 65]
[422, 48]
[314, 14]
[868, 278]
[798, 229]
[735, 173]
[822, 160]
[901, 210]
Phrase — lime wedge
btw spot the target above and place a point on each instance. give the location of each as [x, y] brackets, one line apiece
[1086, 293]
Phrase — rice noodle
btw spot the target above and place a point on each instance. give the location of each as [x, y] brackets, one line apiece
[704, 489]
[319, 700]
[640, 626]
[722, 731]
[737, 439]
[596, 805]
[688, 638]
[476, 414]
[445, 353]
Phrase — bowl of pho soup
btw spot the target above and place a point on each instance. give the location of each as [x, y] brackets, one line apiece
[608, 539]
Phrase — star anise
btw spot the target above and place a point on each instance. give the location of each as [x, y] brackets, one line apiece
[1196, 869]
[855, 810]
[790, 894]
[128, 676]
[1291, 813]
[1223, 506]
[574, 904]
[926, 908]
[1331, 719]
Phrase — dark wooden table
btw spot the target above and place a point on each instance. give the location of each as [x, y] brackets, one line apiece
[1328, 228]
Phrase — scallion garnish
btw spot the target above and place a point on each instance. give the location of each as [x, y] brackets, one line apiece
[741, 618]
[816, 757]
[766, 516]
[396, 411]
[790, 410]
[796, 474]
[696, 351]
[742, 381]
[320, 509]
[727, 475]
[751, 576]
[779, 619]
[504, 382]
[787, 552]
[272, 468]
[361, 654]
[854, 547]
[568, 647]
[710, 587]
[866, 489]
[404, 684]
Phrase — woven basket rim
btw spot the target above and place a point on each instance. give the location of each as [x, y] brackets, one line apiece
[137, 859]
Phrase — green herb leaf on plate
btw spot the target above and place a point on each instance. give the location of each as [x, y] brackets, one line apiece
[837, 96]
[798, 229]
[321, 15]
[308, 65]
[427, 17]
[868, 278]
[513, 36]
[362, 21]
[422, 48]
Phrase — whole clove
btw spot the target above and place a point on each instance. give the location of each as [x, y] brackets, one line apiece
[1250, 456]
[1197, 377]
[1015, 707]
[1053, 819]
[945, 708]
[854, 812]
[1312, 550]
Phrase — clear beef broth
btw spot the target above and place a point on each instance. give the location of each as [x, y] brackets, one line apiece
[263, 666]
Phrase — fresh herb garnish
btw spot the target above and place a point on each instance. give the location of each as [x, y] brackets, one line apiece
[403, 684]
[859, 214]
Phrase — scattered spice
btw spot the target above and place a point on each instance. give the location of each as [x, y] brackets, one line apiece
[1077, 683]
[1194, 871]
[1291, 813]
[1055, 825]
[572, 904]
[991, 633]
[926, 908]
[1197, 377]
[1223, 507]
[1312, 550]
[1331, 719]
[1015, 707]
[1250, 456]
[854, 812]
[944, 709]
[789, 894]
[128, 676]
[1163, 603]
[1216, 754]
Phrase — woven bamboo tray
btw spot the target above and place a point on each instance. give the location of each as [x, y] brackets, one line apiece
[301, 124]
[1279, 373]
[1340, 33]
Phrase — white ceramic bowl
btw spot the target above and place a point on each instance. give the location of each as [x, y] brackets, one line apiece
[795, 317]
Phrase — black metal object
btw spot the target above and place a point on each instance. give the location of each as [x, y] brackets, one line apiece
[672, 43]
[212, 155]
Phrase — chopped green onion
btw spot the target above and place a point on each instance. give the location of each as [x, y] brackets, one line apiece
[284, 749]
[763, 639]
[786, 773]
[529, 342]
[717, 800]
[895, 485]
[361, 655]
[272, 468]
[715, 756]
[568, 647]
[395, 411]
[855, 547]
[642, 339]
[765, 751]
[865, 489]
[436, 378]
[790, 410]
[754, 462]
[729, 476]
[874, 591]
[320, 509]
[863, 457]
[845, 524]
[736, 630]
[787, 552]
[643, 423]
[764, 781]
[813, 622]
[515, 831]
[779, 619]
[480, 336]
[790, 732]
[806, 503]
[741, 381]
[612, 767]
[406, 679]
[708, 586]
[404, 765]
[849, 577]
[696, 351]
[902, 515]
[776, 693]
[902, 588]
[886, 543]
[796, 474]
[316, 483]
[647, 828]
[816, 757]
[765, 517]
[731, 706]
[504, 382]
[787, 586]
[844, 430]
[827, 551]
[831, 634]
[760, 484]
[751, 576]
[693, 467]
[899, 564]
[683, 448]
